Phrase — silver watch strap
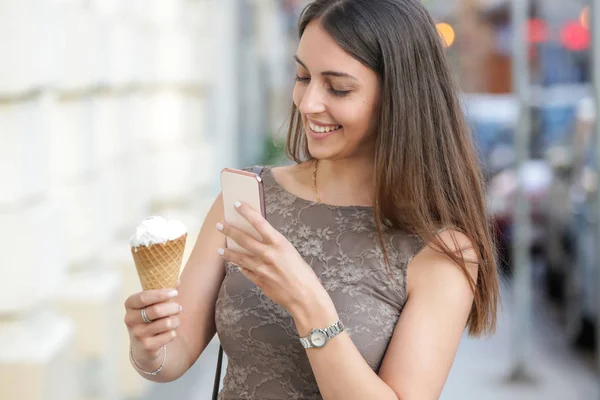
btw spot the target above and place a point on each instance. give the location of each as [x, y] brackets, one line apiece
[334, 329]
[306, 343]
[331, 331]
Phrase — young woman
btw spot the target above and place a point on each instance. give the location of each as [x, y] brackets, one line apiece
[376, 250]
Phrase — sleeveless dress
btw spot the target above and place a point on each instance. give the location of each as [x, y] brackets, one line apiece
[340, 243]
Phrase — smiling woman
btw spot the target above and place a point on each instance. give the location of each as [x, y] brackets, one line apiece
[381, 146]
[375, 250]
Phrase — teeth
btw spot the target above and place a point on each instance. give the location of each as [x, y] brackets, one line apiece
[321, 129]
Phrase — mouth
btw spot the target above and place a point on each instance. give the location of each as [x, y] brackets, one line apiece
[319, 131]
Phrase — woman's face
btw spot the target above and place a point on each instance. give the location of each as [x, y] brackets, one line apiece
[337, 96]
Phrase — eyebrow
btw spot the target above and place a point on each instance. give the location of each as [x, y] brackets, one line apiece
[328, 73]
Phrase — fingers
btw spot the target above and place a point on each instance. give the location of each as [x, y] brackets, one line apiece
[242, 260]
[268, 233]
[133, 316]
[157, 304]
[148, 297]
[164, 325]
[252, 276]
[153, 344]
[150, 337]
[243, 239]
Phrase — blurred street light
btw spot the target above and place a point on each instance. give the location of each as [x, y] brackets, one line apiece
[575, 37]
[584, 18]
[538, 31]
[447, 33]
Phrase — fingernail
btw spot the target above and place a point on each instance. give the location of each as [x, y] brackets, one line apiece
[219, 226]
[173, 293]
[237, 204]
[220, 252]
[180, 308]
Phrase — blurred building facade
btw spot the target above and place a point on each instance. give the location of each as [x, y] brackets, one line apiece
[111, 111]
[557, 34]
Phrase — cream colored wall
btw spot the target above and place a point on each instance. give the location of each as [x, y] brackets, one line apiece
[103, 121]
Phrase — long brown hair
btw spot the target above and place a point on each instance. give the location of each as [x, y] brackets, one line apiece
[427, 174]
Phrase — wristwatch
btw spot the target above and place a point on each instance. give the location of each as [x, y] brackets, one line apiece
[318, 338]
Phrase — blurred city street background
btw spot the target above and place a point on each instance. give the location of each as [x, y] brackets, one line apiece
[111, 111]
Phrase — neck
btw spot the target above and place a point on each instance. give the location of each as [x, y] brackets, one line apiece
[346, 182]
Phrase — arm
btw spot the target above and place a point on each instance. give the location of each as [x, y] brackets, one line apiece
[200, 282]
[423, 345]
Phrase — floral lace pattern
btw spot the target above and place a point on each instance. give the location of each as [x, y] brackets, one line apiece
[259, 337]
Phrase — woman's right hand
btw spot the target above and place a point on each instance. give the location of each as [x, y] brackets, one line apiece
[148, 339]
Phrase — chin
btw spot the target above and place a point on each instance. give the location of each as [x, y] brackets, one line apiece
[330, 154]
[321, 152]
[325, 155]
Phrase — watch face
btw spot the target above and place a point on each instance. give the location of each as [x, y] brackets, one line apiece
[318, 338]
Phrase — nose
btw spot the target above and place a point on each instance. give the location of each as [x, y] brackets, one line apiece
[312, 101]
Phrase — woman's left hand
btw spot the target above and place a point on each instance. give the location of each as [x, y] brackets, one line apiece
[274, 265]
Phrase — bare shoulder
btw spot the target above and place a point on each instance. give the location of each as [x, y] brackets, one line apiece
[291, 176]
[459, 242]
[431, 266]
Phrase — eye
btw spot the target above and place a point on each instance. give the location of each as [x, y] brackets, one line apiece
[339, 93]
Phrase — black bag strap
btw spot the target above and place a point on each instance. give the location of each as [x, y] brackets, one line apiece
[215, 394]
[258, 169]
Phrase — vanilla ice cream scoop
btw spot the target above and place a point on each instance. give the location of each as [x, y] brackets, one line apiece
[157, 230]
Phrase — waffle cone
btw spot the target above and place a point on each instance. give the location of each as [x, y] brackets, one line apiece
[158, 265]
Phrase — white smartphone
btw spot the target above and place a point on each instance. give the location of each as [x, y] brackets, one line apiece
[245, 187]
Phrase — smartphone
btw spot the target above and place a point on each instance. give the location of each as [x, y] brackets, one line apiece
[245, 187]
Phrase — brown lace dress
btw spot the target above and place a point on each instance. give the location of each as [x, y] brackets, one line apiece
[259, 337]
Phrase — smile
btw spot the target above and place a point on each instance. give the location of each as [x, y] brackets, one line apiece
[323, 129]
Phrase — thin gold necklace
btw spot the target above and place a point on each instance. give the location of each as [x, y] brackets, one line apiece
[315, 181]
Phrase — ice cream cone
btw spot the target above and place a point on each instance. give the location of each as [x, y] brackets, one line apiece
[158, 265]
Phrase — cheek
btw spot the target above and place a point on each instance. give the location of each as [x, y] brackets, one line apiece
[373, 119]
[358, 119]
[298, 94]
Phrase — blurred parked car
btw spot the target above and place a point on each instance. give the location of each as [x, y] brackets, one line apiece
[536, 176]
[564, 131]
[571, 241]
[493, 119]
[581, 283]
